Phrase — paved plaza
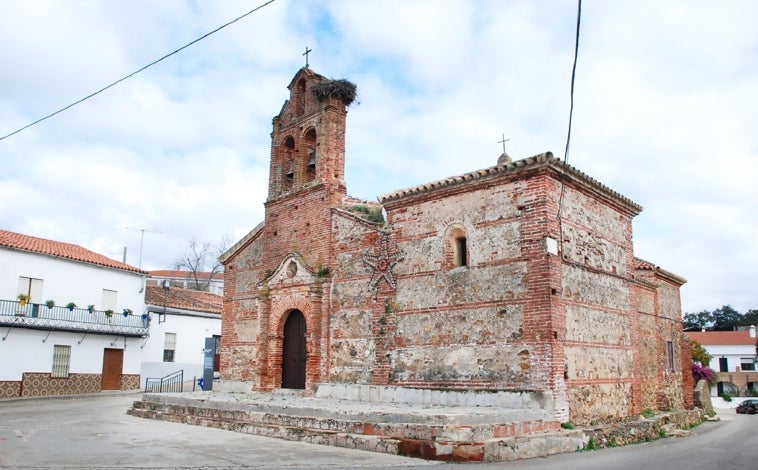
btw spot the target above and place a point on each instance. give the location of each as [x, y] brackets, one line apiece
[94, 432]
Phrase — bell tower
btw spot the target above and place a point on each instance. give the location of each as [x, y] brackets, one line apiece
[308, 139]
[307, 169]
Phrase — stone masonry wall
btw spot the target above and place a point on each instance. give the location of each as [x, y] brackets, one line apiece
[463, 326]
[240, 321]
[662, 311]
[354, 308]
[601, 327]
[649, 357]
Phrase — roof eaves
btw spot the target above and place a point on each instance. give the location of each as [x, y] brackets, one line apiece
[241, 243]
[542, 160]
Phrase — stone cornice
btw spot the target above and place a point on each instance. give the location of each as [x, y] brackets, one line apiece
[544, 160]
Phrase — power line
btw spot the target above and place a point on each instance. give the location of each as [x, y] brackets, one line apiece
[571, 116]
[573, 77]
[137, 71]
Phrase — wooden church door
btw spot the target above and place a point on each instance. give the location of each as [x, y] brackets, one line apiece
[294, 351]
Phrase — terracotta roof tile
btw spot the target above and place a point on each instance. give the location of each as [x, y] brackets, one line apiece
[177, 274]
[185, 299]
[642, 265]
[718, 338]
[546, 159]
[17, 241]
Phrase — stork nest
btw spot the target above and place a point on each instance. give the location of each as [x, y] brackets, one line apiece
[342, 89]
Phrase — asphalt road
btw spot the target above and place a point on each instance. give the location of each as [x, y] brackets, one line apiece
[96, 433]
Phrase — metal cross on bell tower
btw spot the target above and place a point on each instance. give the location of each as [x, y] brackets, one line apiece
[307, 51]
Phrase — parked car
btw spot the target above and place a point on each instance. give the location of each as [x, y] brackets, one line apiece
[748, 406]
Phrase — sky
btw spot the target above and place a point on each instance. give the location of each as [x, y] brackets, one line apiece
[665, 112]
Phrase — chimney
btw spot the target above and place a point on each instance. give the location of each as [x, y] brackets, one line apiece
[752, 331]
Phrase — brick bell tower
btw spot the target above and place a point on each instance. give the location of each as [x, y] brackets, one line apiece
[307, 173]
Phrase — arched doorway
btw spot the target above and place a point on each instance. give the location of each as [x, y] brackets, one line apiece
[294, 351]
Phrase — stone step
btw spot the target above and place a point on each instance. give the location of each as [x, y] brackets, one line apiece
[388, 426]
[279, 431]
[365, 411]
[492, 441]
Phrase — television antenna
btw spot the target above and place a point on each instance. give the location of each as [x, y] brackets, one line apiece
[142, 240]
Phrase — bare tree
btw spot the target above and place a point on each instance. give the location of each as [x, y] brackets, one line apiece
[201, 258]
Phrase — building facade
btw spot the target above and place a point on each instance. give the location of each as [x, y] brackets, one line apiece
[517, 277]
[71, 320]
[733, 359]
[180, 321]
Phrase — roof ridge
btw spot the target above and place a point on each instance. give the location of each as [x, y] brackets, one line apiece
[63, 250]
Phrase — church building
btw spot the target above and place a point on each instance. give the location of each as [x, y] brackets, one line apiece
[517, 277]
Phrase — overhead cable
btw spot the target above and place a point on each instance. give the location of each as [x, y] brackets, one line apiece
[138, 71]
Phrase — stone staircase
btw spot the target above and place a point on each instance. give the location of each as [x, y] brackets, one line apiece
[430, 424]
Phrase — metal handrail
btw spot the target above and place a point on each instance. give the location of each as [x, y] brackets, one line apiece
[171, 383]
[33, 315]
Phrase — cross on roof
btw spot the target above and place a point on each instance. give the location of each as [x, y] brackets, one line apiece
[307, 51]
[503, 142]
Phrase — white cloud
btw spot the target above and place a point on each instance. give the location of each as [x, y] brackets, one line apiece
[665, 113]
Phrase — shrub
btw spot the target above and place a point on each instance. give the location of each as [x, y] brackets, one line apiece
[567, 425]
[591, 444]
[727, 397]
[702, 373]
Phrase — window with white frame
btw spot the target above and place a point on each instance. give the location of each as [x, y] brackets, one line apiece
[169, 346]
[30, 287]
[747, 363]
[61, 360]
[110, 299]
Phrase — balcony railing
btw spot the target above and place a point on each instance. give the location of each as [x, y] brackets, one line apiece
[31, 315]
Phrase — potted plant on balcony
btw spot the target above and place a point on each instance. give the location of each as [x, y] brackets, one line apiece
[71, 306]
[127, 312]
[90, 308]
[109, 313]
[50, 303]
[23, 309]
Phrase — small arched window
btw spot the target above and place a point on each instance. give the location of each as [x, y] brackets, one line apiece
[456, 253]
[461, 255]
[288, 162]
[310, 155]
[299, 98]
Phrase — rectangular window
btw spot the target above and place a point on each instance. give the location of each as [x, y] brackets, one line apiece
[747, 363]
[460, 252]
[670, 351]
[723, 364]
[110, 299]
[61, 360]
[169, 345]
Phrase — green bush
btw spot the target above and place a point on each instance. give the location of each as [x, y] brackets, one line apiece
[591, 444]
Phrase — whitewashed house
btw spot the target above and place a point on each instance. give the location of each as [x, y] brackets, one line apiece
[734, 359]
[181, 320]
[71, 320]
